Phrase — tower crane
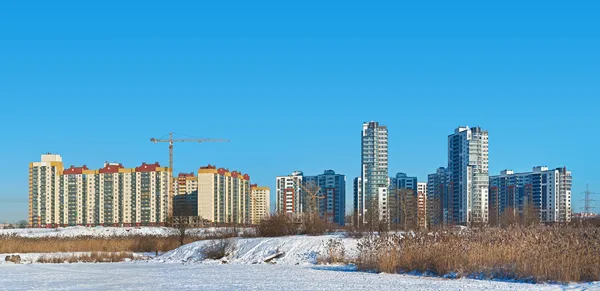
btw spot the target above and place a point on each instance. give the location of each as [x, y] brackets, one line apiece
[171, 141]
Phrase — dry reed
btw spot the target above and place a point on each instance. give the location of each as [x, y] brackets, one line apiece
[94, 257]
[537, 254]
[334, 252]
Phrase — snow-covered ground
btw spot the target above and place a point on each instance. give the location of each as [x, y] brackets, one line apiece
[146, 276]
[250, 265]
[101, 231]
[296, 250]
[32, 258]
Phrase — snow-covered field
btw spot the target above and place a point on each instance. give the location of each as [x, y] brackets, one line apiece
[147, 276]
[101, 231]
[282, 263]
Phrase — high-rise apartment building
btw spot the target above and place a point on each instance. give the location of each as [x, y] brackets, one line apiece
[75, 194]
[402, 199]
[119, 196]
[289, 194]
[422, 210]
[111, 196]
[185, 183]
[185, 204]
[185, 198]
[422, 188]
[374, 171]
[332, 193]
[223, 196]
[437, 198]
[358, 199]
[422, 204]
[547, 191]
[468, 175]
[44, 191]
[402, 181]
[260, 203]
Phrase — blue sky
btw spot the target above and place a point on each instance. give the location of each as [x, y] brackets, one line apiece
[290, 84]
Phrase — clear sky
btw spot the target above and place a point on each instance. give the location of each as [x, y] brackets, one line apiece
[290, 84]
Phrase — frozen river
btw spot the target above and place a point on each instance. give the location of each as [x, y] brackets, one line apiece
[161, 276]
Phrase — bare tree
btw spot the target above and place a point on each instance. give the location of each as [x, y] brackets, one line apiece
[408, 208]
[349, 220]
[403, 209]
[509, 217]
[493, 219]
[434, 212]
[182, 223]
[22, 224]
[372, 214]
[493, 207]
[313, 223]
[530, 215]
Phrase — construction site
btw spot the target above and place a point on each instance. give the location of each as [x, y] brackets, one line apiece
[145, 195]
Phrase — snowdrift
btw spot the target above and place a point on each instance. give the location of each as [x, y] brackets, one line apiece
[288, 250]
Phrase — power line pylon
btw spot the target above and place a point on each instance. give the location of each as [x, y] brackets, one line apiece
[587, 206]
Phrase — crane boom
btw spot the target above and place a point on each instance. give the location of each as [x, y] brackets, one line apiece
[154, 140]
[171, 141]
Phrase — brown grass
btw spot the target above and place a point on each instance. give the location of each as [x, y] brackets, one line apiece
[136, 243]
[15, 244]
[94, 257]
[538, 254]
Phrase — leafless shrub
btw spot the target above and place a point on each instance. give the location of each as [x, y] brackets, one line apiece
[277, 225]
[312, 224]
[354, 232]
[218, 249]
[16, 259]
[51, 260]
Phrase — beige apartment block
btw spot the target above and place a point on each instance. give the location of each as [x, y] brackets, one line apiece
[260, 205]
[44, 191]
[111, 196]
[74, 191]
[185, 183]
[223, 196]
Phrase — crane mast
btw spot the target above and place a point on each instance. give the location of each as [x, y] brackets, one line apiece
[171, 141]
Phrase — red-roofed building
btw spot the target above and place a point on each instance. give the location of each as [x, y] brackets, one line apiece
[112, 195]
[223, 195]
